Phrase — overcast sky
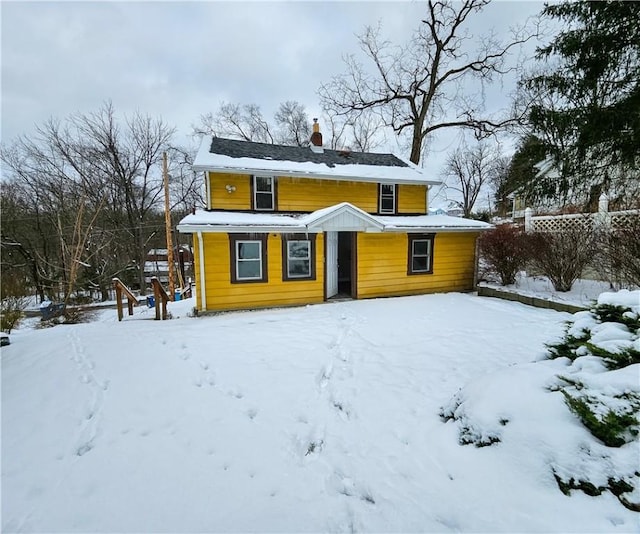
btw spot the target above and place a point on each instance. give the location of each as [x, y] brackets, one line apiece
[179, 60]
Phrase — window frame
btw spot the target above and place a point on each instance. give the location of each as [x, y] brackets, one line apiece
[393, 210]
[413, 238]
[234, 240]
[286, 239]
[255, 192]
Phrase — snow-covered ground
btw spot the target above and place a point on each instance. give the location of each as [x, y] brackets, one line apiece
[584, 292]
[317, 419]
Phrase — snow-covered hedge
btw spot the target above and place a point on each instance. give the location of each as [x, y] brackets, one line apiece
[577, 412]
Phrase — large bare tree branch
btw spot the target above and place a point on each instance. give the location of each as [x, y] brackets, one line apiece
[422, 86]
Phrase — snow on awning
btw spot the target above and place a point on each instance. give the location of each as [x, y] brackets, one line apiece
[435, 223]
[342, 217]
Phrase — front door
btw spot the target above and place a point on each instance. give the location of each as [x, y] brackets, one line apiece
[331, 259]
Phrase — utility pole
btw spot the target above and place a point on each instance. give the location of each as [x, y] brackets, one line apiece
[167, 222]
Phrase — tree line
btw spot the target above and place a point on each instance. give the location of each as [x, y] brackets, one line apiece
[83, 202]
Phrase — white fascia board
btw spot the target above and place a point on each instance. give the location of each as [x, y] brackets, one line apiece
[316, 175]
[204, 228]
[433, 229]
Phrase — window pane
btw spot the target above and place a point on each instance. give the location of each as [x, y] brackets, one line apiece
[264, 201]
[249, 250]
[249, 269]
[299, 268]
[386, 204]
[387, 189]
[420, 264]
[421, 248]
[298, 249]
[263, 184]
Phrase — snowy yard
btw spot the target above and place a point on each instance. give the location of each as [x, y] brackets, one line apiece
[317, 419]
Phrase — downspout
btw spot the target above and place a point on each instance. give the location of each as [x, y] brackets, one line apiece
[203, 293]
[476, 263]
[207, 188]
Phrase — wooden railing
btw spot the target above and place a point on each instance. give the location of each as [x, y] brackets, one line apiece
[161, 298]
[132, 300]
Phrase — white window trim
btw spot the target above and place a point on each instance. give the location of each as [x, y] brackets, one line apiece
[273, 193]
[308, 258]
[395, 192]
[428, 256]
[238, 260]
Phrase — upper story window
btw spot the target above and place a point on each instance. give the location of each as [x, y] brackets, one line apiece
[387, 198]
[264, 193]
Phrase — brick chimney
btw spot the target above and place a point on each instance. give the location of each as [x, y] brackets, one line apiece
[316, 137]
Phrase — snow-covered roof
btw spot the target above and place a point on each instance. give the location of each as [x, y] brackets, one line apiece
[433, 222]
[229, 155]
[547, 167]
[324, 219]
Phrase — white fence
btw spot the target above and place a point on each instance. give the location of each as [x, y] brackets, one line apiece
[604, 219]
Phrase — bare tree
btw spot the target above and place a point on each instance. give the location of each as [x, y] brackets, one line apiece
[293, 124]
[234, 120]
[361, 131]
[91, 190]
[419, 87]
[471, 169]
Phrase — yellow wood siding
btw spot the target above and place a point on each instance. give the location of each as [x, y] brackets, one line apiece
[383, 258]
[221, 199]
[412, 199]
[304, 194]
[223, 295]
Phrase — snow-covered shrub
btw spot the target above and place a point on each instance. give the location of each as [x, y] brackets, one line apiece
[608, 403]
[504, 251]
[563, 255]
[613, 427]
[610, 330]
[578, 411]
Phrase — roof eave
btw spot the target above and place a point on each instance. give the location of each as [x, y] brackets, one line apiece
[434, 229]
[241, 229]
[318, 175]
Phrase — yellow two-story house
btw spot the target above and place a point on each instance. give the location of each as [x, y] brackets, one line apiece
[290, 225]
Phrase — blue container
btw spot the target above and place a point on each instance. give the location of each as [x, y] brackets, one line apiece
[151, 301]
[177, 296]
[48, 310]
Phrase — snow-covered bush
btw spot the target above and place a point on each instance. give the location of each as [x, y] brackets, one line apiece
[610, 330]
[579, 410]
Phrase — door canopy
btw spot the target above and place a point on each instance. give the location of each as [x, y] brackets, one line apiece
[342, 217]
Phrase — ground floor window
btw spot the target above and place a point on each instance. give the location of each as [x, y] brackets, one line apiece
[248, 257]
[420, 254]
[298, 257]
